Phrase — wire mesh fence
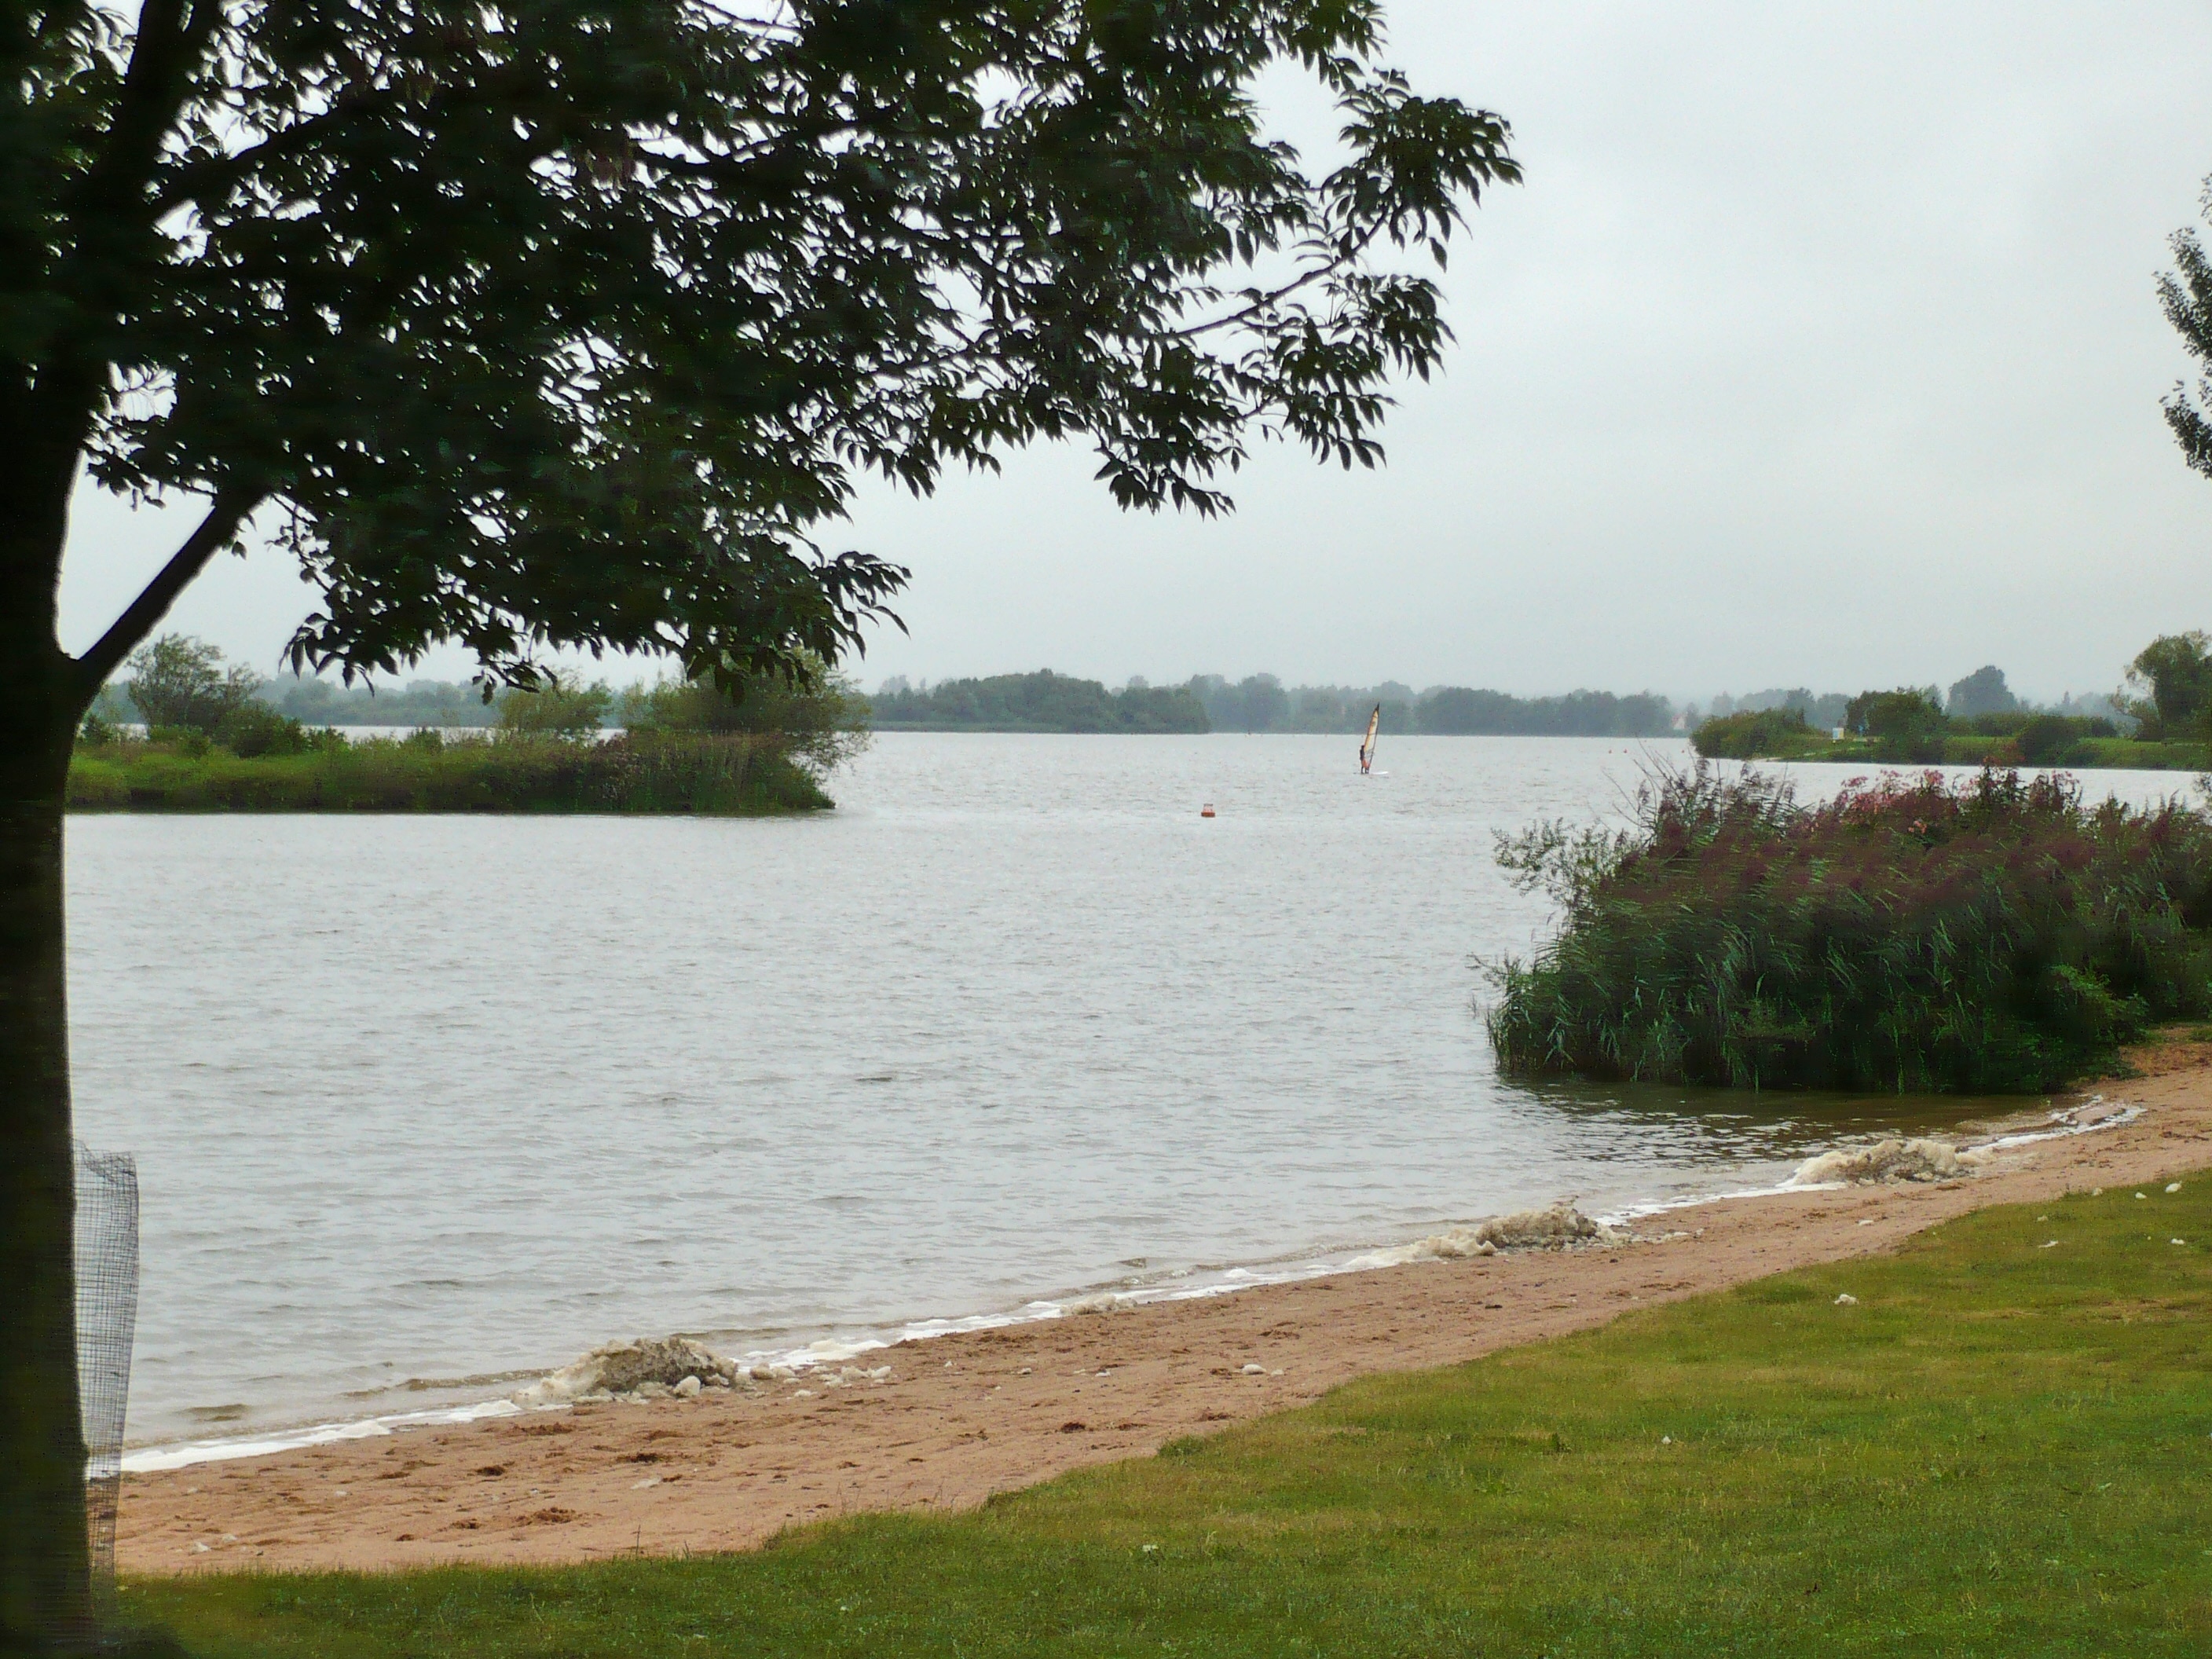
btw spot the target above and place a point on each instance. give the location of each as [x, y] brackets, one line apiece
[106, 1316]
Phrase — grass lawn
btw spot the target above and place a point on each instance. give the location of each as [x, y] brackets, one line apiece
[2000, 1449]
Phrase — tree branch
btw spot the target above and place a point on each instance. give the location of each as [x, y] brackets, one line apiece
[215, 533]
[155, 86]
[196, 181]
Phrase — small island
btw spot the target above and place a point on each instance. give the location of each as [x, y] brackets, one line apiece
[204, 740]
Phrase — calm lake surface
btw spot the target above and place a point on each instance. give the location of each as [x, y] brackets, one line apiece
[423, 1103]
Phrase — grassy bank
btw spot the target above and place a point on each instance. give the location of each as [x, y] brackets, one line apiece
[734, 774]
[1992, 936]
[2000, 1450]
[2081, 754]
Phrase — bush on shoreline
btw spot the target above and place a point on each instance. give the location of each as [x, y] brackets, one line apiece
[1994, 936]
[1756, 734]
[728, 774]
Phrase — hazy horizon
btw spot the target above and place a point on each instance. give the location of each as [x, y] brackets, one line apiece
[1820, 348]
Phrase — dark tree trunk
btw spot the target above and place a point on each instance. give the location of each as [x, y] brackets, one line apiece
[44, 1591]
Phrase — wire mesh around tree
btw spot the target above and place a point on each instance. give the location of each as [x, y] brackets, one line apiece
[106, 1317]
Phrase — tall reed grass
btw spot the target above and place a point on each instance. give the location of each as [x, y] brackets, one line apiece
[1993, 936]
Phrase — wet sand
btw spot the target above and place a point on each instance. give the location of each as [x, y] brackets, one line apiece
[963, 1416]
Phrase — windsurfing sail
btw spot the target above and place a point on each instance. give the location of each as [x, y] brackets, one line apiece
[1367, 742]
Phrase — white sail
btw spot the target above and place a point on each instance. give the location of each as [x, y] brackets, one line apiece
[1367, 742]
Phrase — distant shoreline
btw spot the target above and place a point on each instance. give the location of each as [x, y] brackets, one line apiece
[1349, 737]
[2084, 755]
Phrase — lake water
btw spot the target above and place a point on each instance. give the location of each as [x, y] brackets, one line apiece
[424, 1103]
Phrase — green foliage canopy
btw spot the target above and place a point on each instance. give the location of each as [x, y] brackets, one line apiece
[567, 323]
[2185, 295]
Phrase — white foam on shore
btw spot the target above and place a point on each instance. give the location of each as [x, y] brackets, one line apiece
[152, 1460]
[1181, 1284]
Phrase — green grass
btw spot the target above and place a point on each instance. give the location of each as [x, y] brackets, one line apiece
[2145, 756]
[2001, 1450]
[735, 774]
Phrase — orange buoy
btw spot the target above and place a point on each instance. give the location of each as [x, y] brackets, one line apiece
[1206, 810]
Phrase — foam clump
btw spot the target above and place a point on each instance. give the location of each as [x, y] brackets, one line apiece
[1886, 1160]
[846, 1377]
[1545, 1230]
[1557, 1228]
[639, 1369]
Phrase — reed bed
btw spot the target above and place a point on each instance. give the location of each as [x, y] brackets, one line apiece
[1991, 936]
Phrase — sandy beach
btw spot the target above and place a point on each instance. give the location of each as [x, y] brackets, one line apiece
[962, 1417]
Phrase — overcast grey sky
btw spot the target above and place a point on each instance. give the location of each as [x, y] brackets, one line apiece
[1819, 347]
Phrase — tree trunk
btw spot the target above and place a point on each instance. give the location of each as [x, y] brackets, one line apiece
[45, 1602]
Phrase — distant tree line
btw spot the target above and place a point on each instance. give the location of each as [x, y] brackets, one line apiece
[1042, 702]
[1047, 702]
[1457, 711]
[1980, 693]
[2165, 698]
[1262, 703]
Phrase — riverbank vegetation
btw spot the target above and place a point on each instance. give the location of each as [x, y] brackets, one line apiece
[2160, 720]
[1992, 1451]
[685, 746]
[733, 773]
[1989, 936]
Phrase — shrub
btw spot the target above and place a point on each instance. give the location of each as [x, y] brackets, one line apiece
[559, 709]
[179, 681]
[1754, 734]
[253, 729]
[2175, 670]
[824, 721]
[1905, 725]
[1993, 936]
[2047, 737]
[186, 740]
